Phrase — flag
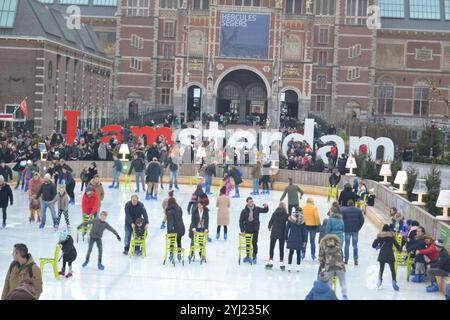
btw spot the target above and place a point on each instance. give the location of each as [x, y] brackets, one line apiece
[24, 108]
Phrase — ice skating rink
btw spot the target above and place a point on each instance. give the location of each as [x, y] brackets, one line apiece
[220, 278]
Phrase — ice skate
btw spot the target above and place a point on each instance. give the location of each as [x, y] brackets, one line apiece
[100, 266]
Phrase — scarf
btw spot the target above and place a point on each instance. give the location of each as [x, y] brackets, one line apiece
[250, 216]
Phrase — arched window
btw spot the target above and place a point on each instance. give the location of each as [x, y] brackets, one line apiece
[421, 101]
[385, 97]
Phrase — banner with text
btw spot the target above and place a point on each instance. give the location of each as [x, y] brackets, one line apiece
[244, 35]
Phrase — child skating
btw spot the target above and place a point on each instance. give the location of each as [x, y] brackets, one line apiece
[63, 206]
[98, 227]
[69, 252]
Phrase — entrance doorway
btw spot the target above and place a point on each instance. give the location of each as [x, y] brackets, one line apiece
[242, 95]
[194, 103]
[290, 104]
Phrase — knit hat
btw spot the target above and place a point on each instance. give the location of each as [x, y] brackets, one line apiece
[29, 162]
[439, 243]
[63, 235]
[47, 176]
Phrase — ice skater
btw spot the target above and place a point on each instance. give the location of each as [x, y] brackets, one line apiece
[385, 241]
[69, 252]
[277, 228]
[98, 227]
[63, 206]
[6, 196]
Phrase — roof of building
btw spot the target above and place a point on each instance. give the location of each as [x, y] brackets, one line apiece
[36, 20]
[89, 8]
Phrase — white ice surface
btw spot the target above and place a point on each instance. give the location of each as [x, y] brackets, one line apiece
[220, 278]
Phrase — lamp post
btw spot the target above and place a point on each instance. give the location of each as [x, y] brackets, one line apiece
[351, 164]
[385, 172]
[401, 179]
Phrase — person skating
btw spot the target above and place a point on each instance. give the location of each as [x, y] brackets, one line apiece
[296, 236]
[223, 204]
[353, 222]
[35, 206]
[69, 252]
[84, 177]
[346, 195]
[6, 196]
[249, 223]
[98, 186]
[175, 223]
[210, 171]
[312, 222]
[98, 227]
[385, 241]
[293, 191]
[66, 178]
[256, 174]
[138, 164]
[48, 194]
[153, 174]
[133, 209]
[5, 171]
[165, 203]
[331, 262]
[335, 224]
[236, 175]
[139, 229]
[277, 228]
[117, 172]
[90, 202]
[63, 206]
[199, 221]
[197, 196]
[22, 269]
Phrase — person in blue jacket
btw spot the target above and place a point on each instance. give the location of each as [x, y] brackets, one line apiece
[335, 224]
[321, 290]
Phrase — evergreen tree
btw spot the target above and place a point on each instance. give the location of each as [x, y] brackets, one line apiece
[424, 144]
[412, 177]
[433, 182]
[369, 169]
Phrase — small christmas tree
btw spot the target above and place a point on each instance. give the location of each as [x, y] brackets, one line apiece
[369, 169]
[433, 182]
[412, 177]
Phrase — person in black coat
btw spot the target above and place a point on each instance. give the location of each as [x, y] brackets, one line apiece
[346, 195]
[334, 179]
[5, 171]
[6, 196]
[296, 236]
[234, 173]
[277, 228]
[385, 241]
[199, 220]
[341, 164]
[69, 252]
[92, 171]
[418, 243]
[133, 209]
[353, 222]
[175, 222]
[153, 173]
[249, 223]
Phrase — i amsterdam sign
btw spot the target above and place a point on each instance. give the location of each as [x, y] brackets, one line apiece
[239, 139]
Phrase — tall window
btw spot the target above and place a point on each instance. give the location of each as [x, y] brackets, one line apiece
[356, 12]
[165, 96]
[353, 73]
[169, 29]
[323, 58]
[201, 4]
[111, 3]
[293, 7]
[320, 103]
[167, 74]
[447, 9]
[421, 100]
[321, 81]
[392, 8]
[385, 98]
[323, 35]
[424, 9]
[354, 51]
[168, 50]
[7, 13]
[137, 42]
[248, 3]
[138, 7]
[325, 7]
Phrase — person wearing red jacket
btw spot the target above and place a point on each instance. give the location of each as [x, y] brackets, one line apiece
[425, 256]
[90, 202]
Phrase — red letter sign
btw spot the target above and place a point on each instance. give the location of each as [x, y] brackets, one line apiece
[72, 125]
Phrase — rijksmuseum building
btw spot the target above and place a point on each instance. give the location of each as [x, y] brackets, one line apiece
[277, 56]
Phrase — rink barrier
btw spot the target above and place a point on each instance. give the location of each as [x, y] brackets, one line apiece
[311, 182]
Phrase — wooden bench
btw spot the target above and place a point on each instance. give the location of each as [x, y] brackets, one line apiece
[378, 214]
